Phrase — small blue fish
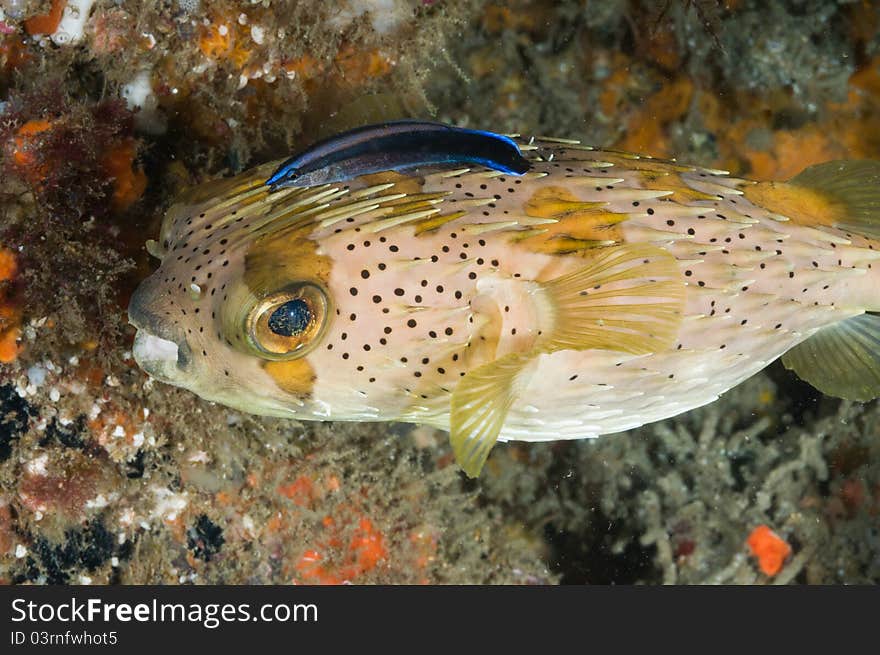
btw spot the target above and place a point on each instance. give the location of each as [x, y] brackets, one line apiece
[394, 146]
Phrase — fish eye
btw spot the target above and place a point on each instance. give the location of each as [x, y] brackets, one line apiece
[286, 324]
[290, 319]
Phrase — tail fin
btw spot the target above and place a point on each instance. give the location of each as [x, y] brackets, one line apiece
[843, 360]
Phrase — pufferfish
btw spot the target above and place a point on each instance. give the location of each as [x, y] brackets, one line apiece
[508, 288]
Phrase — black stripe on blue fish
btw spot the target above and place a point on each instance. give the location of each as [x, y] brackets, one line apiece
[395, 146]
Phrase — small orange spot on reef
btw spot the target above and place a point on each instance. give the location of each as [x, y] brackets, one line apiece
[46, 23]
[13, 53]
[304, 67]
[224, 498]
[8, 265]
[215, 41]
[10, 315]
[24, 145]
[300, 491]
[128, 182]
[358, 67]
[368, 545]
[9, 347]
[275, 524]
[221, 41]
[312, 571]
[769, 548]
[361, 554]
[113, 424]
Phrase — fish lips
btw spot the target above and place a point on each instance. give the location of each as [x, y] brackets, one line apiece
[161, 358]
[159, 349]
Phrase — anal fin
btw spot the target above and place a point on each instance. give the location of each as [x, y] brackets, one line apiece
[842, 360]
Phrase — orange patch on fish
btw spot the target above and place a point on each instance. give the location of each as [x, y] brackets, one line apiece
[577, 225]
[290, 255]
[296, 377]
[801, 205]
[671, 181]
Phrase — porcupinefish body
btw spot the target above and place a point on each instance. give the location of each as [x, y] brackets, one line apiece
[594, 293]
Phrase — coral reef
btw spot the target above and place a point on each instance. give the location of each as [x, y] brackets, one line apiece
[697, 499]
[183, 493]
[108, 110]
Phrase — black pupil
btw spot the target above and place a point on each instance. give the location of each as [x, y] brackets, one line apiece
[291, 318]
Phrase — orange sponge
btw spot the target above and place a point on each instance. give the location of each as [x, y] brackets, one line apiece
[770, 549]
[10, 316]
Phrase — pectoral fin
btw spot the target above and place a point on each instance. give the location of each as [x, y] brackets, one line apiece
[628, 298]
[479, 406]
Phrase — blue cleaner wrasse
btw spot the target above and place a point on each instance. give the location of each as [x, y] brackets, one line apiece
[595, 292]
[398, 145]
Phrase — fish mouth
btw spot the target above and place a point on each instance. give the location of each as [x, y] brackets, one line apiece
[159, 357]
[159, 349]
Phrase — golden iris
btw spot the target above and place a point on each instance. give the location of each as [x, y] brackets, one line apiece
[286, 324]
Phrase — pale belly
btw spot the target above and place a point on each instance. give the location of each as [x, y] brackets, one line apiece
[575, 395]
